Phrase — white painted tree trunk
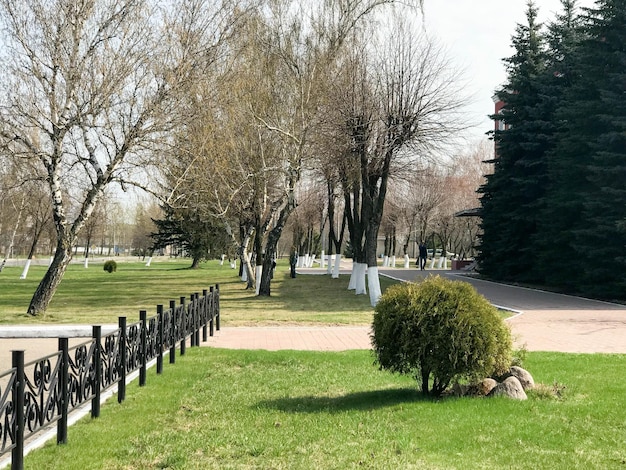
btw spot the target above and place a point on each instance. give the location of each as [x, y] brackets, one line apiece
[149, 262]
[441, 260]
[385, 261]
[360, 287]
[244, 275]
[432, 263]
[393, 261]
[336, 266]
[86, 264]
[259, 272]
[222, 260]
[311, 261]
[233, 264]
[374, 284]
[407, 262]
[26, 268]
[353, 274]
[330, 264]
[322, 260]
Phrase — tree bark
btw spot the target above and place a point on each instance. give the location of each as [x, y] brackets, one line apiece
[51, 280]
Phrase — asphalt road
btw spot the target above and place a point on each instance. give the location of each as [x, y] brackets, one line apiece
[510, 297]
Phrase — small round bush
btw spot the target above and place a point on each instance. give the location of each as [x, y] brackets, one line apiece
[110, 266]
[440, 331]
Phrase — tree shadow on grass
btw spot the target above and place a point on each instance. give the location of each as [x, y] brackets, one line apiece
[364, 401]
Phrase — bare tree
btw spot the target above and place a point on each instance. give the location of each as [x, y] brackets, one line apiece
[402, 104]
[91, 89]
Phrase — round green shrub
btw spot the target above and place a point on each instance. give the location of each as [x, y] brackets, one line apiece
[439, 331]
[110, 266]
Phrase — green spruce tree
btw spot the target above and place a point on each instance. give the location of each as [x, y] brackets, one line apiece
[511, 193]
[562, 39]
[588, 167]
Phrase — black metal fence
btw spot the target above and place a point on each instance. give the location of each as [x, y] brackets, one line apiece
[46, 391]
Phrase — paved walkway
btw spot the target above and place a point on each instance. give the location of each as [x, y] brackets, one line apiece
[543, 322]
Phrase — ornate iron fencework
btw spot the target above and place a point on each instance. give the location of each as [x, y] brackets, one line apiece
[33, 396]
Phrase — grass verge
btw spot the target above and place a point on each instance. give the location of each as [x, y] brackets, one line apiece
[93, 296]
[225, 409]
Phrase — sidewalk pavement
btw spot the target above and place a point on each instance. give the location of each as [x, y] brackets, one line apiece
[544, 322]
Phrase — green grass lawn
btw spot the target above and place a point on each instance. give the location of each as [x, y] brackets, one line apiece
[225, 409]
[93, 296]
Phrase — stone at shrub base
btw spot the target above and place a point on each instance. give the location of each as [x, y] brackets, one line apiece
[486, 386]
[524, 377]
[511, 387]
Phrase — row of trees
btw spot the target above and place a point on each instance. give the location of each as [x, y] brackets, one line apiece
[221, 110]
[553, 211]
[319, 94]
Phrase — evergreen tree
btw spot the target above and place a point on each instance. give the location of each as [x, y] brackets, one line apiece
[511, 194]
[195, 236]
[588, 168]
[562, 38]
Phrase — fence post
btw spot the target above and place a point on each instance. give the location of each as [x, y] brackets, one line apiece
[192, 312]
[205, 315]
[17, 454]
[143, 315]
[212, 312]
[217, 307]
[174, 329]
[196, 317]
[96, 334]
[62, 388]
[159, 364]
[183, 327]
[121, 384]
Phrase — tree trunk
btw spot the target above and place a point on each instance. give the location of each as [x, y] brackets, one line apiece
[48, 285]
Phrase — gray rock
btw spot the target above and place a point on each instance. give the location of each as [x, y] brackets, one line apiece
[486, 386]
[524, 377]
[511, 387]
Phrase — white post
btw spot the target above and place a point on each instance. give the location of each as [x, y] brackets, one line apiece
[407, 262]
[26, 268]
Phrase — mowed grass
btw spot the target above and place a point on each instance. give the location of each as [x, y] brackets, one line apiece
[93, 296]
[226, 409]
[237, 409]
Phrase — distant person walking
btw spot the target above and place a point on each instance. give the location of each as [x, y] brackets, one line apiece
[293, 261]
[423, 254]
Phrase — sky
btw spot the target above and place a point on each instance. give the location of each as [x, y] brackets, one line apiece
[477, 35]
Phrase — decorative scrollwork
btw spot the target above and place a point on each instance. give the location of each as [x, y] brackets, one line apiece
[7, 415]
[133, 347]
[41, 393]
[111, 358]
[81, 374]
[152, 338]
